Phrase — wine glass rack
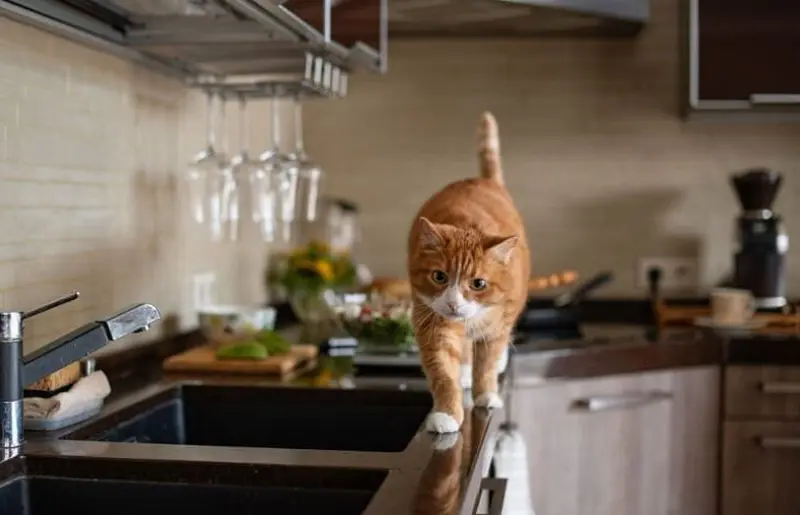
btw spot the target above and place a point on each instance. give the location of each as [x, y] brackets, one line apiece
[305, 48]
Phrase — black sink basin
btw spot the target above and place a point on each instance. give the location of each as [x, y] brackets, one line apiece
[187, 488]
[296, 418]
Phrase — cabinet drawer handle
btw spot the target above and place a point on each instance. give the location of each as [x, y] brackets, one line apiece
[779, 99]
[497, 486]
[626, 400]
[780, 388]
[769, 442]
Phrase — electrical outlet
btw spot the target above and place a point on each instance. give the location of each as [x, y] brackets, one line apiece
[677, 273]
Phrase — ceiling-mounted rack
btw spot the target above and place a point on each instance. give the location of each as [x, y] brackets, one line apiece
[320, 79]
[248, 45]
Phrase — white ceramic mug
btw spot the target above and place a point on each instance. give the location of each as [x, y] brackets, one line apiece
[730, 306]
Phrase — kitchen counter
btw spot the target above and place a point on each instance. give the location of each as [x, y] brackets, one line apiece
[610, 349]
[433, 474]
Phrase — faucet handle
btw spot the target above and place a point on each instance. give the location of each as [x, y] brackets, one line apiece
[52, 304]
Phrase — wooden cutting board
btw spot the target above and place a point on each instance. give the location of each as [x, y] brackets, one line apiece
[204, 359]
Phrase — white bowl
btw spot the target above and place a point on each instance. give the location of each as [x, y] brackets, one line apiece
[230, 319]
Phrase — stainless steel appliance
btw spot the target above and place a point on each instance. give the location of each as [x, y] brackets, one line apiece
[760, 259]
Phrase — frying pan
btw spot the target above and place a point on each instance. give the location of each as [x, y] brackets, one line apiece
[563, 310]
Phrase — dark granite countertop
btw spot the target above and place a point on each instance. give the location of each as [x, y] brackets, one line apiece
[434, 473]
[609, 349]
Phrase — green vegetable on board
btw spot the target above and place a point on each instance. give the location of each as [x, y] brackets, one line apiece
[246, 350]
[273, 342]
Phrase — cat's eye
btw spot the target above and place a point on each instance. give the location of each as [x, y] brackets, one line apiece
[439, 277]
[478, 284]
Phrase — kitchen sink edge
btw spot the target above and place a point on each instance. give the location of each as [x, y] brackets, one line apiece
[260, 417]
[92, 485]
[408, 471]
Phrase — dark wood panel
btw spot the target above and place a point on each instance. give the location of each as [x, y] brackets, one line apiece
[768, 392]
[352, 21]
[761, 464]
[748, 47]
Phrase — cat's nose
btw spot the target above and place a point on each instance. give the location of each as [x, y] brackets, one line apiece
[452, 306]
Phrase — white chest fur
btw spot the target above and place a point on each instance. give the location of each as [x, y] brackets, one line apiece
[482, 327]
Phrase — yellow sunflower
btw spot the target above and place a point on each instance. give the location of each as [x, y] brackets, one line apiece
[325, 270]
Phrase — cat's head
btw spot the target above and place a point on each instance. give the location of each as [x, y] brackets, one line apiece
[460, 273]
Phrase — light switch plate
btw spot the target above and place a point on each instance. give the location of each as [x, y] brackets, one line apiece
[203, 289]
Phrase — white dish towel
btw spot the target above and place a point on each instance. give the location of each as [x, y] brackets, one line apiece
[85, 393]
[511, 463]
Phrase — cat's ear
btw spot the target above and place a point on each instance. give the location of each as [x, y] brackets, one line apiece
[501, 248]
[430, 236]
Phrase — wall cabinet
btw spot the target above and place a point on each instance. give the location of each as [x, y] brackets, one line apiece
[623, 445]
[743, 54]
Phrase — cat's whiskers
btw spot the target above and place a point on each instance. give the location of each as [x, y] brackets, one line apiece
[427, 319]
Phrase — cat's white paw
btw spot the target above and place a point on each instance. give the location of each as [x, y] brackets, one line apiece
[439, 422]
[466, 376]
[468, 402]
[489, 400]
[502, 363]
[444, 441]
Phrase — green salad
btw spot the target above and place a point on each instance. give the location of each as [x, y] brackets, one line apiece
[379, 326]
[257, 346]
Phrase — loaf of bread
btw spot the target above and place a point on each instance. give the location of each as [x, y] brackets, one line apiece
[58, 379]
[390, 288]
[552, 281]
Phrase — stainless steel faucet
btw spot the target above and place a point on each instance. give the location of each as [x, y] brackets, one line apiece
[18, 371]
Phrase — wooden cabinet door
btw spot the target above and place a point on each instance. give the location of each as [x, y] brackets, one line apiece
[761, 468]
[746, 50]
[695, 429]
[622, 445]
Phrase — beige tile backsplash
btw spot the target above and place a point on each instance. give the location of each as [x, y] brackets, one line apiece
[602, 167]
[93, 149]
[92, 155]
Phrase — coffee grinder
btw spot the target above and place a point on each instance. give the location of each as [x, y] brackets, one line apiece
[760, 260]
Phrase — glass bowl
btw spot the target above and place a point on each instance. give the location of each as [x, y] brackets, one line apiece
[373, 322]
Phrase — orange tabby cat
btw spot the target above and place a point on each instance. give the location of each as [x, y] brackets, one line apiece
[468, 264]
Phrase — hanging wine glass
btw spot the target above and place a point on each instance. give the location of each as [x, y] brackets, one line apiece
[206, 172]
[281, 172]
[238, 174]
[308, 173]
[263, 203]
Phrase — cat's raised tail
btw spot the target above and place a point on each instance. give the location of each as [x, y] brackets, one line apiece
[489, 148]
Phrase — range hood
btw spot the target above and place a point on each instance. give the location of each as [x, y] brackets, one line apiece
[248, 46]
[517, 18]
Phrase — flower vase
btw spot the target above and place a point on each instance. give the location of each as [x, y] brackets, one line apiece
[314, 313]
